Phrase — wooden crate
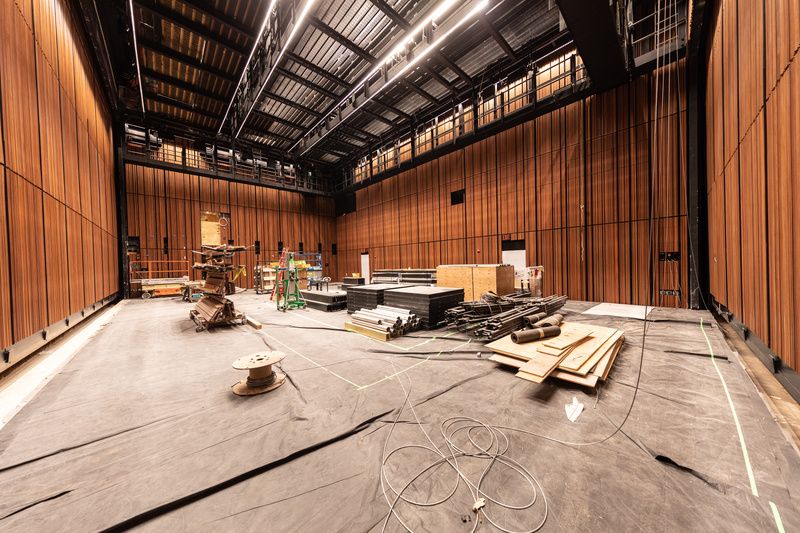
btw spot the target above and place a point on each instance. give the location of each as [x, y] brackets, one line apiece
[477, 279]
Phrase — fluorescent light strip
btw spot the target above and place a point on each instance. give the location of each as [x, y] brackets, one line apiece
[297, 26]
[136, 54]
[247, 64]
[433, 46]
[409, 38]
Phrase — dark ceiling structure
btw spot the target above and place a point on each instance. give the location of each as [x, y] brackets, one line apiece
[296, 79]
[191, 54]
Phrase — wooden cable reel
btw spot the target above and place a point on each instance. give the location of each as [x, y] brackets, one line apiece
[261, 378]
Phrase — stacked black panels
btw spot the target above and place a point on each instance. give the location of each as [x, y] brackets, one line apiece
[349, 280]
[368, 296]
[325, 300]
[411, 276]
[428, 303]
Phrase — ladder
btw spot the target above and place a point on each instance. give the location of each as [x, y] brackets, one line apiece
[283, 264]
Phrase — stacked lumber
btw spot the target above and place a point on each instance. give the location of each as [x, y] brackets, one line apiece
[581, 354]
[412, 276]
[429, 303]
[368, 296]
[383, 322]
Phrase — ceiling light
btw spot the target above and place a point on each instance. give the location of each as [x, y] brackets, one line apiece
[136, 55]
[247, 64]
[480, 6]
[297, 26]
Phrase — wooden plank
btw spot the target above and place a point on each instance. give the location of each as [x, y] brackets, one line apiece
[585, 356]
[540, 366]
[378, 335]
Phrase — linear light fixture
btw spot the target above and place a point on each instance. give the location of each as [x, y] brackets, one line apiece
[480, 6]
[136, 55]
[409, 38]
[297, 25]
[247, 64]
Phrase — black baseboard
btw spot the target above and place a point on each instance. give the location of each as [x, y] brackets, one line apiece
[23, 348]
[786, 376]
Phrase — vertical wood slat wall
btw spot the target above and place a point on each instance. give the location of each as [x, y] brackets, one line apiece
[162, 203]
[753, 123]
[57, 206]
[574, 184]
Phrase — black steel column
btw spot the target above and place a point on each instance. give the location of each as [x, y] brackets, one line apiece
[122, 222]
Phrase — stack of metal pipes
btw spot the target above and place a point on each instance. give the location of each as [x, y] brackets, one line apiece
[502, 324]
[386, 319]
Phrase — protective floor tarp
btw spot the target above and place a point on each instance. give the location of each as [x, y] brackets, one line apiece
[141, 429]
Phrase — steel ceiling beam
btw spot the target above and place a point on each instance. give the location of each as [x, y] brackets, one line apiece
[310, 84]
[267, 133]
[414, 88]
[499, 38]
[206, 7]
[392, 14]
[179, 83]
[452, 66]
[359, 135]
[291, 103]
[180, 104]
[303, 62]
[378, 117]
[278, 120]
[178, 19]
[390, 108]
[190, 61]
[438, 78]
[347, 143]
[341, 39]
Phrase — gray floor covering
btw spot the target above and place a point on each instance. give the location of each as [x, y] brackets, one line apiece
[141, 430]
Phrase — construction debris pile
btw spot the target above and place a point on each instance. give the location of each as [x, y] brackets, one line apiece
[214, 309]
[494, 317]
[383, 322]
[578, 353]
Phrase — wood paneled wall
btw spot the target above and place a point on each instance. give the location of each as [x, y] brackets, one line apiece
[574, 184]
[163, 203]
[58, 230]
[753, 124]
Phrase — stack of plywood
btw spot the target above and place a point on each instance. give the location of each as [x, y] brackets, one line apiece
[476, 280]
[582, 354]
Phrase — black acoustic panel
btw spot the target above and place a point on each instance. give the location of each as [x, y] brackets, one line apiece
[428, 303]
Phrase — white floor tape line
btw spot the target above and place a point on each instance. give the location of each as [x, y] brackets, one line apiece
[22, 390]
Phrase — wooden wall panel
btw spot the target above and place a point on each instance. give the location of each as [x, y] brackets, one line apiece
[77, 297]
[752, 166]
[5, 303]
[50, 129]
[169, 204]
[55, 243]
[18, 82]
[59, 182]
[574, 183]
[26, 243]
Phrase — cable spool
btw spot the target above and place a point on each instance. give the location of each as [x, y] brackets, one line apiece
[261, 378]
